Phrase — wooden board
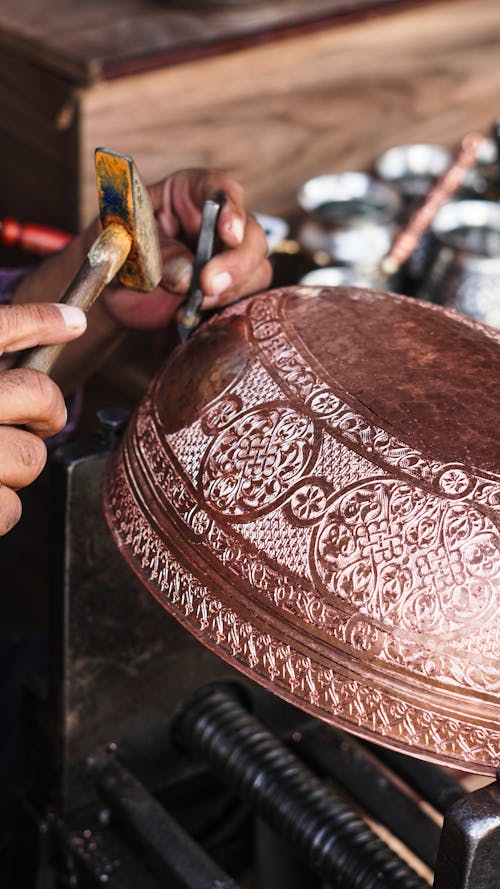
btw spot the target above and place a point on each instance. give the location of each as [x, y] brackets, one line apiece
[38, 144]
[277, 114]
[272, 114]
[92, 40]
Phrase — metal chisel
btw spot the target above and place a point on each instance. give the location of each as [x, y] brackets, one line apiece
[189, 316]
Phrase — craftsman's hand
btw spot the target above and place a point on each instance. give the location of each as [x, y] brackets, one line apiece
[29, 398]
[239, 268]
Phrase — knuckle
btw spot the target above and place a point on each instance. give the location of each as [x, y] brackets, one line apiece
[45, 401]
[36, 314]
[41, 389]
[7, 323]
[236, 189]
[31, 455]
[14, 320]
[10, 510]
[258, 232]
[15, 388]
[47, 393]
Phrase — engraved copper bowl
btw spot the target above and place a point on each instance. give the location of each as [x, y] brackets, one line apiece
[312, 487]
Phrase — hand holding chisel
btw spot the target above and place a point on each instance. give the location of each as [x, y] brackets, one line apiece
[189, 314]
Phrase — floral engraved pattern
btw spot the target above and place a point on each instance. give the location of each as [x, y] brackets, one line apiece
[221, 412]
[408, 559]
[308, 503]
[454, 481]
[363, 635]
[254, 462]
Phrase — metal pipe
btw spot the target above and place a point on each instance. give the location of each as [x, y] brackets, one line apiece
[169, 849]
[337, 845]
[339, 756]
[430, 781]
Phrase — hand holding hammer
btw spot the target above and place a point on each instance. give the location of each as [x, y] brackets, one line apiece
[128, 245]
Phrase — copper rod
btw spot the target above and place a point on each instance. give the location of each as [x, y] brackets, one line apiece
[409, 236]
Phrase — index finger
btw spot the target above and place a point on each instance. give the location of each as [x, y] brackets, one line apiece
[34, 324]
[235, 272]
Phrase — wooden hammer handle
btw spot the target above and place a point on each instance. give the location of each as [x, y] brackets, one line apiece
[104, 259]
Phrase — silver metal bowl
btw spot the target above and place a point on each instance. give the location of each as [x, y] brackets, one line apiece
[352, 198]
[350, 217]
[336, 276]
[362, 245]
[412, 168]
[470, 226]
[465, 272]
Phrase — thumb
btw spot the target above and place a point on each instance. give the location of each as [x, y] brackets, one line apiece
[34, 324]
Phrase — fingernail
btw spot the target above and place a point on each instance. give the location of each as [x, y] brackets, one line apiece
[238, 229]
[220, 283]
[178, 273]
[74, 318]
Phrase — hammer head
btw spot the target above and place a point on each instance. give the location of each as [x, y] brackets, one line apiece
[124, 199]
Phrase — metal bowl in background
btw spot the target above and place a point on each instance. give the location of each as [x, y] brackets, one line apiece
[412, 169]
[360, 246]
[488, 153]
[335, 276]
[480, 179]
[350, 218]
[469, 226]
[465, 271]
[351, 198]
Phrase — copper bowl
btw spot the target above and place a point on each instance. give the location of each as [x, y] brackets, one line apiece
[312, 487]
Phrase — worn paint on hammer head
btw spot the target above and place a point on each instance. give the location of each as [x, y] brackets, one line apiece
[124, 199]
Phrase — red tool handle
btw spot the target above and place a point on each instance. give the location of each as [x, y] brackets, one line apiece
[35, 238]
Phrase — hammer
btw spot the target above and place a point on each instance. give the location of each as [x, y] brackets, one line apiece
[128, 244]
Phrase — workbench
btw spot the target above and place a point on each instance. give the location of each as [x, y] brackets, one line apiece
[273, 93]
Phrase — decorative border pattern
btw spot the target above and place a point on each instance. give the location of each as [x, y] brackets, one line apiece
[289, 438]
[323, 691]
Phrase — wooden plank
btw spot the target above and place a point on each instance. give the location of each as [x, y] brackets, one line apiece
[277, 114]
[88, 40]
[38, 144]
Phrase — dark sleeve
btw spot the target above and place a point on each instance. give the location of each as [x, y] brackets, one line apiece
[9, 279]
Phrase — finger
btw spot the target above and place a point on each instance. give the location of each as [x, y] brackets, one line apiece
[143, 311]
[30, 398]
[179, 199]
[257, 282]
[34, 324]
[22, 457]
[149, 311]
[10, 509]
[232, 222]
[177, 265]
[233, 272]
